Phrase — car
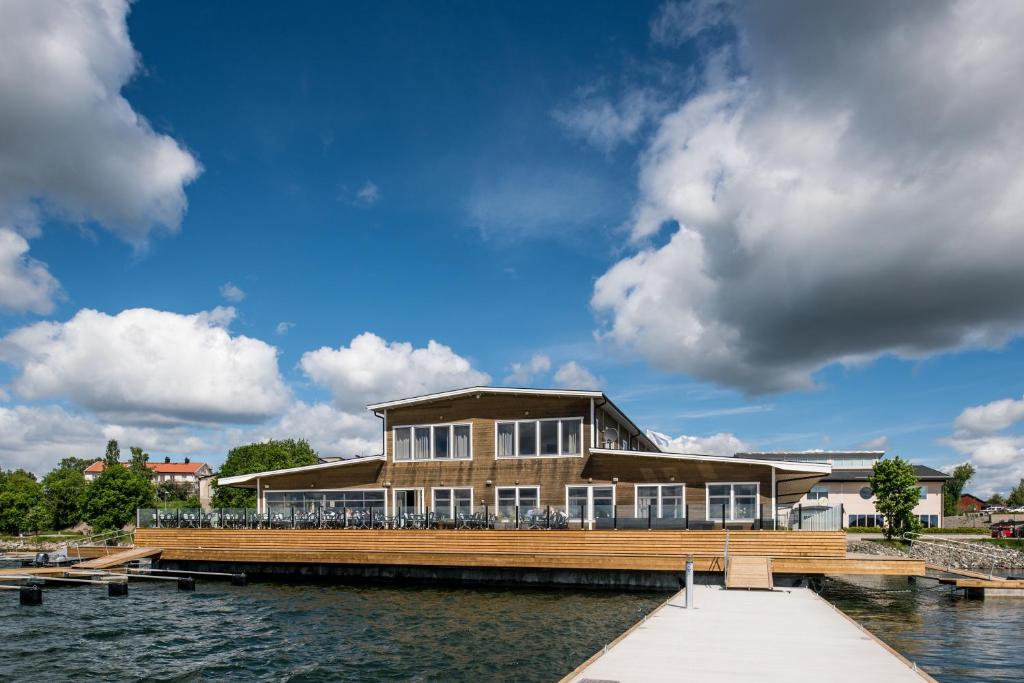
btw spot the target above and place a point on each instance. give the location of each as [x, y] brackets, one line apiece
[1002, 532]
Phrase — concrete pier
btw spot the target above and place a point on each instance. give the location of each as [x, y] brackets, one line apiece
[734, 635]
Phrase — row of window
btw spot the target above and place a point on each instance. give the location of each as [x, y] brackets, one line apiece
[513, 439]
[434, 442]
[736, 501]
[819, 492]
[927, 521]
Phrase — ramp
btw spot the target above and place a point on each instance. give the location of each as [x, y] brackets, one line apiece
[749, 572]
[123, 557]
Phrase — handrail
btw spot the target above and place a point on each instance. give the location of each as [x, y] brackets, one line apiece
[989, 554]
[105, 536]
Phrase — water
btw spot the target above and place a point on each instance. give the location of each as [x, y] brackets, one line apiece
[950, 637]
[310, 632]
[316, 632]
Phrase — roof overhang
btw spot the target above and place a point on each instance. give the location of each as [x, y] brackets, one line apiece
[779, 465]
[248, 481]
[484, 390]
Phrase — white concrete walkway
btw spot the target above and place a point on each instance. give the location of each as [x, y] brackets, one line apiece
[782, 635]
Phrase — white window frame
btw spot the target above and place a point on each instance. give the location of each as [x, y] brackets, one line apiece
[435, 489]
[422, 497]
[450, 426]
[263, 494]
[732, 500]
[818, 496]
[517, 487]
[636, 496]
[590, 498]
[537, 421]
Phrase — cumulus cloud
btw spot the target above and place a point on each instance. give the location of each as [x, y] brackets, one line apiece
[232, 292]
[147, 365]
[879, 443]
[72, 145]
[991, 417]
[983, 433]
[572, 375]
[524, 374]
[25, 283]
[371, 369]
[332, 432]
[722, 443]
[855, 191]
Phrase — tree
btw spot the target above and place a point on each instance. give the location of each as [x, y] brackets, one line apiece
[954, 487]
[64, 493]
[1016, 497]
[75, 464]
[259, 457]
[139, 460]
[111, 500]
[896, 495]
[996, 500]
[113, 456]
[19, 491]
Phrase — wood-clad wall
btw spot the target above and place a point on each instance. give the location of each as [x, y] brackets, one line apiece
[551, 474]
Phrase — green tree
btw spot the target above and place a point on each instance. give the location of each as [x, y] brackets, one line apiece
[112, 499]
[1016, 497]
[896, 495]
[64, 493]
[954, 487]
[75, 463]
[996, 500]
[19, 491]
[39, 517]
[113, 455]
[259, 457]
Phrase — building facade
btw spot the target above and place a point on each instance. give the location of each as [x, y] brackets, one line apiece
[847, 486]
[193, 477]
[509, 451]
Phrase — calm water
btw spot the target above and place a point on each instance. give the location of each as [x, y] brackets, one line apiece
[950, 637]
[314, 632]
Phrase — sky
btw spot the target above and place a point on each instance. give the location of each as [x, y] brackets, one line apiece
[784, 226]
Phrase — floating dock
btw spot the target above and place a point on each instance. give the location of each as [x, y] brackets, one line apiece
[734, 635]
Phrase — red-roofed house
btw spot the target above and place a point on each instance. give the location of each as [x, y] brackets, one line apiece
[195, 475]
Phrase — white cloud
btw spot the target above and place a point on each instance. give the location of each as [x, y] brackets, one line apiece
[370, 369]
[332, 432]
[72, 144]
[148, 365]
[879, 443]
[25, 284]
[677, 22]
[991, 417]
[572, 375]
[368, 194]
[856, 191]
[523, 374]
[722, 443]
[232, 292]
[605, 124]
[283, 327]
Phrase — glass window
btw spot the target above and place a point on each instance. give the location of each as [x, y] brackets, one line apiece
[421, 443]
[744, 501]
[663, 500]
[527, 438]
[646, 497]
[571, 437]
[866, 493]
[460, 441]
[603, 502]
[818, 492]
[922, 492]
[719, 501]
[506, 439]
[441, 436]
[739, 502]
[672, 504]
[577, 501]
[448, 503]
[526, 497]
[549, 437]
[403, 443]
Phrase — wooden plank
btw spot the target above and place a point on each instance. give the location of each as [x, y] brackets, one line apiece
[123, 557]
[749, 572]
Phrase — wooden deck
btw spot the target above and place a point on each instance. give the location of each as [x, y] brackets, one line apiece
[798, 552]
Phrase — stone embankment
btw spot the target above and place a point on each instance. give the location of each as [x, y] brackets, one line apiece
[25, 546]
[959, 555]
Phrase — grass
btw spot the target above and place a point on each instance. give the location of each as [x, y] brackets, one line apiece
[1012, 543]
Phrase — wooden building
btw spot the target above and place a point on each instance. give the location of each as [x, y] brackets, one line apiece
[510, 451]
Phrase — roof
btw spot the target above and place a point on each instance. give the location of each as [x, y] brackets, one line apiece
[922, 472]
[245, 480]
[786, 466]
[484, 390]
[827, 454]
[158, 467]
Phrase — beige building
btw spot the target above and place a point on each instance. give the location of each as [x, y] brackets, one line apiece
[195, 476]
[846, 487]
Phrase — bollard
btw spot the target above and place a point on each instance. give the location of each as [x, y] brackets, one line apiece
[117, 589]
[689, 582]
[186, 583]
[239, 580]
[30, 595]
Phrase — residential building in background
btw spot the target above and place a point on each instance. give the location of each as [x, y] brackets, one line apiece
[193, 476]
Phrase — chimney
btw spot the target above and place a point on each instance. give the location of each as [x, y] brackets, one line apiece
[187, 461]
[167, 460]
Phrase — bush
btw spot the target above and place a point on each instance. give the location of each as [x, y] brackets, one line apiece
[930, 530]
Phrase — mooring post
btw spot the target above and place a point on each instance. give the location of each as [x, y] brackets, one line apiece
[239, 580]
[689, 582]
[117, 589]
[30, 595]
[186, 583]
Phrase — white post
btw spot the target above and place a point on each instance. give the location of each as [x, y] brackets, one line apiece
[689, 582]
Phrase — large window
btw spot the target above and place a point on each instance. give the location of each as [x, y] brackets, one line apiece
[433, 442]
[354, 499]
[508, 497]
[867, 520]
[594, 502]
[662, 500]
[818, 494]
[738, 500]
[449, 503]
[531, 438]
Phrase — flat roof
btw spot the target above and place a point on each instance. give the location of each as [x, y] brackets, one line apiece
[484, 390]
[828, 454]
[922, 472]
[784, 465]
[241, 479]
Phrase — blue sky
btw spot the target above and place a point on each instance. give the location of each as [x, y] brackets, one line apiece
[672, 201]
